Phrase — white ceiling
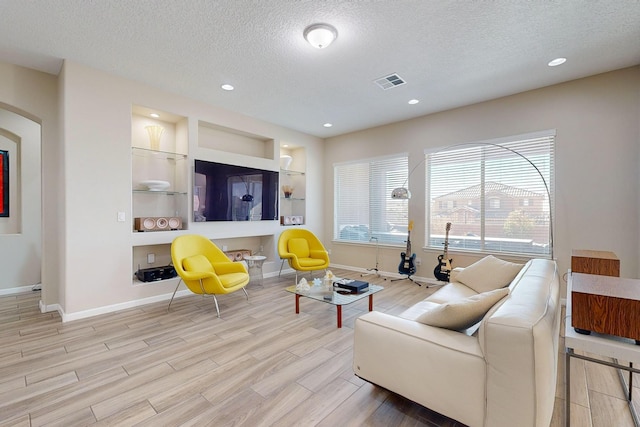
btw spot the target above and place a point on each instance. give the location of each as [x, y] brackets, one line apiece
[450, 52]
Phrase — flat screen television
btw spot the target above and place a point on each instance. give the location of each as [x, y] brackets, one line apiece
[234, 193]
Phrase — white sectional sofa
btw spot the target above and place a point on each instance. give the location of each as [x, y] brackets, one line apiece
[499, 373]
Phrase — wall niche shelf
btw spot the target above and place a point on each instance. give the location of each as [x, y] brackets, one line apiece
[290, 172]
[221, 138]
[167, 155]
[293, 174]
[165, 160]
[155, 192]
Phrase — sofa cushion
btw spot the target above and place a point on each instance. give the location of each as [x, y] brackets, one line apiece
[413, 312]
[464, 313]
[488, 274]
[451, 292]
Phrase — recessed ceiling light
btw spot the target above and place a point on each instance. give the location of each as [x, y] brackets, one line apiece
[285, 145]
[556, 62]
[227, 87]
[413, 101]
[327, 125]
[154, 115]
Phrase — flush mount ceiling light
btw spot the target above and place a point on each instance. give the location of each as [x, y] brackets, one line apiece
[320, 35]
[556, 62]
[414, 101]
[227, 87]
[327, 125]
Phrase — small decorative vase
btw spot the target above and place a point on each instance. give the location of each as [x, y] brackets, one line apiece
[155, 133]
[285, 161]
[287, 190]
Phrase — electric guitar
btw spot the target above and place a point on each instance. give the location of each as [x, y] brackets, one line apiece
[407, 258]
[443, 268]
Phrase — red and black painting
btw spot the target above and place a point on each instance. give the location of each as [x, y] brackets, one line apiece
[4, 183]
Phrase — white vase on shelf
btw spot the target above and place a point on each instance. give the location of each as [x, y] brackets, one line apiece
[155, 134]
[285, 161]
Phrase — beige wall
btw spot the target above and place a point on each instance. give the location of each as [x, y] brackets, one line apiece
[34, 95]
[86, 137]
[597, 165]
[97, 169]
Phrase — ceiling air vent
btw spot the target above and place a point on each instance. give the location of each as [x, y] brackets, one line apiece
[389, 81]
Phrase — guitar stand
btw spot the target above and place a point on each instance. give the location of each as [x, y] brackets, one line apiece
[407, 278]
[374, 270]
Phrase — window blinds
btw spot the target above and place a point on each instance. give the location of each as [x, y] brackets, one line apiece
[363, 206]
[497, 195]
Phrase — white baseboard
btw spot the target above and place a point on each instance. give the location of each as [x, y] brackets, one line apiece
[18, 290]
[49, 308]
[285, 270]
[426, 280]
[68, 317]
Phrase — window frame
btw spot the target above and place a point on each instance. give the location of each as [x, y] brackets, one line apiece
[546, 171]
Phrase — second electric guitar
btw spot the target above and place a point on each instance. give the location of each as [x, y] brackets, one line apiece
[443, 269]
[407, 265]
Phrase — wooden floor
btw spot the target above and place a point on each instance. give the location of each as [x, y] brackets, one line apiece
[258, 365]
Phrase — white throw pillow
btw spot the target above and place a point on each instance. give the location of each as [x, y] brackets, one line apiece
[488, 274]
[462, 314]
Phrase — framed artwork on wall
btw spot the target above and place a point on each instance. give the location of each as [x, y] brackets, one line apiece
[4, 183]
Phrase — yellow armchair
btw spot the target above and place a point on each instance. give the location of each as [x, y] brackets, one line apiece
[205, 269]
[303, 250]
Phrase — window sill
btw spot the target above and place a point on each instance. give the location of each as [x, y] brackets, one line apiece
[507, 256]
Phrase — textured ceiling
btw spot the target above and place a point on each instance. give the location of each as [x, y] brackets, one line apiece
[451, 53]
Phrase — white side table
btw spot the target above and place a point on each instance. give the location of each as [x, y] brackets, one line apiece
[255, 267]
[609, 346]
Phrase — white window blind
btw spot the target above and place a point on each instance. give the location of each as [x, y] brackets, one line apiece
[364, 209]
[497, 195]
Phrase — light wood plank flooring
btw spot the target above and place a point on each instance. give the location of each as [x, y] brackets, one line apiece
[258, 365]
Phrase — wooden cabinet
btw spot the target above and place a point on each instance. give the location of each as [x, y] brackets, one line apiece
[604, 304]
[595, 262]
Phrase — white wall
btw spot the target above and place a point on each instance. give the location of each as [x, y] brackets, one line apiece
[33, 95]
[597, 164]
[97, 170]
[21, 231]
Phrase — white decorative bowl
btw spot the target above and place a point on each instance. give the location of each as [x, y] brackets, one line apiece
[155, 185]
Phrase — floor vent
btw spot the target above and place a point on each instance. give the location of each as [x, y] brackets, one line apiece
[389, 81]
